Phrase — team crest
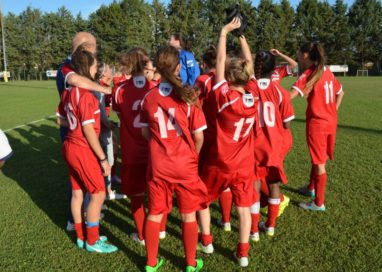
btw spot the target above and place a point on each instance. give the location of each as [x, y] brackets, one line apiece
[139, 81]
[165, 89]
[248, 100]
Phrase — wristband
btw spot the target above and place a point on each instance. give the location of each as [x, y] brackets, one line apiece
[103, 159]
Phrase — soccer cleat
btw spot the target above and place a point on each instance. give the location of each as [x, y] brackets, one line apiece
[243, 261]
[199, 265]
[69, 226]
[81, 243]
[148, 268]
[134, 236]
[101, 247]
[162, 235]
[113, 195]
[268, 231]
[283, 205]
[254, 237]
[225, 226]
[208, 249]
[311, 206]
[306, 192]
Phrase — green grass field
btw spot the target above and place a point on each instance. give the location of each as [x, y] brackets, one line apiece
[345, 238]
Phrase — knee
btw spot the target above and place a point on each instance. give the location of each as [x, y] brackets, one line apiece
[188, 217]
[155, 218]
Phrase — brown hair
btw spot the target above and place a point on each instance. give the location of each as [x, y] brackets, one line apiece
[138, 60]
[81, 62]
[125, 63]
[265, 63]
[317, 55]
[167, 60]
[238, 71]
[209, 57]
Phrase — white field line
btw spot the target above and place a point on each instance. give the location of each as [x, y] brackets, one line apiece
[30, 123]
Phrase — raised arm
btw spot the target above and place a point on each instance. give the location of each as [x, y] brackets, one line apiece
[83, 82]
[291, 62]
[222, 48]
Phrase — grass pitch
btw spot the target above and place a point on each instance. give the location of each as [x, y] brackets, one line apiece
[345, 238]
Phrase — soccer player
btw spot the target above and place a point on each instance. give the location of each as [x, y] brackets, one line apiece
[274, 114]
[174, 126]
[324, 95]
[5, 149]
[127, 104]
[189, 70]
[67, 77]
[285, 70]
[235, 115]
[86, 161]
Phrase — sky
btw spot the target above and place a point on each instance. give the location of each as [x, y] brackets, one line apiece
[86, 7]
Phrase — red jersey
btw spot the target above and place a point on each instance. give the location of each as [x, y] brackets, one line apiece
[321, 113]
[127, 104]
[80, 107]
[235, 118]
[208, 101]
[172, 123]
[274, 109]
[66, 71]
[280, 72]
[118, 79]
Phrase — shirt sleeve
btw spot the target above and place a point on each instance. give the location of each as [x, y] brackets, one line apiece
[337, 86]
[115, 101]
[60, 113]
[222, 95]
[197, 120]
[66, 72]
[300, 84]
[88, 107]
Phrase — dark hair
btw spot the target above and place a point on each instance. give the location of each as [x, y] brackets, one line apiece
[265, 63]
[138, 60]
[209, 57]
[317, 55]
[167, 60]
[81, 62]
[184, 42]
[124, 62]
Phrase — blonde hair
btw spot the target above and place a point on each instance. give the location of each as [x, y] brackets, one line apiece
[238, 71]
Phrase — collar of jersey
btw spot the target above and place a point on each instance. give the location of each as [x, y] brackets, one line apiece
[139, 78]
[165, 89]
[263, 83]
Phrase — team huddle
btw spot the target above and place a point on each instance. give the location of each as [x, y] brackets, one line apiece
[221, 136]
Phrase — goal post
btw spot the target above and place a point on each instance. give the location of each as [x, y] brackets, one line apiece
[363, 73]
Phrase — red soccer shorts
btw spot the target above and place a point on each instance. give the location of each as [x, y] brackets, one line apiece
[240, 184]
[191, 196]
[133, 178]
[270, 174]
[321, 146]
[85, 172]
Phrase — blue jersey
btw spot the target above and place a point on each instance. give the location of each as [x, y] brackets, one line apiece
[189, 70]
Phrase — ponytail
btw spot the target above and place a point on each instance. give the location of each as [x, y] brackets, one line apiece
[167, 60]
[317, 55]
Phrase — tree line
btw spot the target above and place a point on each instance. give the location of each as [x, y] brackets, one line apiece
[37, 41]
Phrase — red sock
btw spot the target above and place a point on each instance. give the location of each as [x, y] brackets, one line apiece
[264, 193]
[190, 241]
[163, 223]
[281, 197]
[311, 180]
[320, 189]
[151, 241]
[242, 250]
[79, 231]
[138, 211]
[255, 214]
[206, 239]
[225, 202]
[273, 210]
[92, 234]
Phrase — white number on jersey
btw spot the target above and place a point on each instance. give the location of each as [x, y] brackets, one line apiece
[137, 120]
[239, 126]
[329, 94]
[171, 122]
[71, 118]
[267, 114]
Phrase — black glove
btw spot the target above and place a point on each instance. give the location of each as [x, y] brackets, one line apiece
[235, 12]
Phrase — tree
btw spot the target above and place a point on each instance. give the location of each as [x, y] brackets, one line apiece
[288, 28]
[160, 25]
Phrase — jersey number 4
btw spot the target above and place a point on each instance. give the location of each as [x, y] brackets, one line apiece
[171, 122]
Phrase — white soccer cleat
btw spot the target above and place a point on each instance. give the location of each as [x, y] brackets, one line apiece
[255, 237]
[243, 261]
[311, 206]
[208, 249]
[162, 235]
[225, 226]
[113, 195]
[134, 237]
[268, 231]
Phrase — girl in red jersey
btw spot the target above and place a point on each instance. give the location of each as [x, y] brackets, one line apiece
[174, 128]
[275, 114]
[285, 70]
[236, 109]
[324, 95]
[134, 147]
[84, 155]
